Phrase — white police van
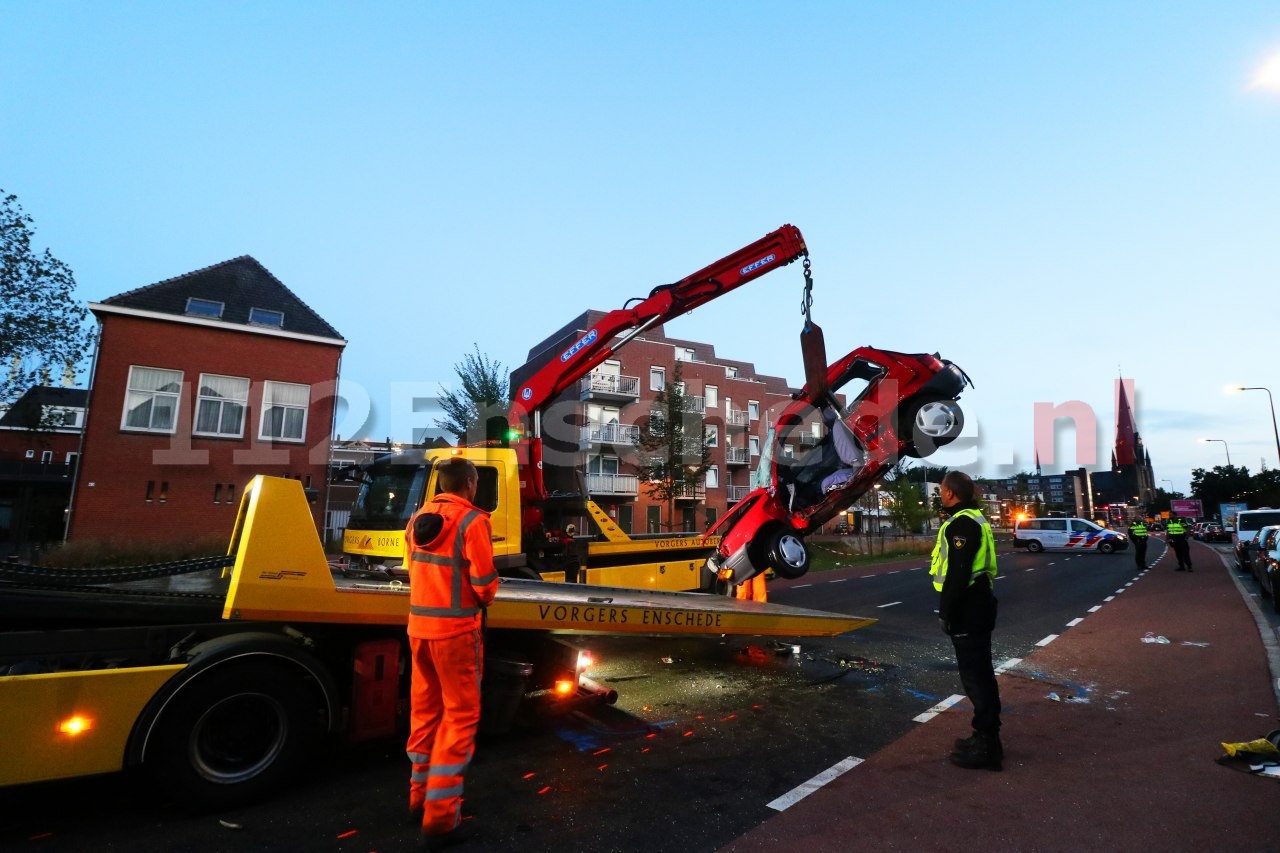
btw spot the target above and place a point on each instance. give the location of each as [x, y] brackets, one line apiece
[1066, 534]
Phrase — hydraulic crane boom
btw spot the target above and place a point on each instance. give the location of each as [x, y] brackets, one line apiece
[615, 329]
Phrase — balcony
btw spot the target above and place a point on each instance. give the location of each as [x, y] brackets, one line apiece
[695, 404]
[592, 434]
[606, 386]
[691, 492]
[808, 439]
[613, 484]
[736, 418]
[737, 493]
[737, 456]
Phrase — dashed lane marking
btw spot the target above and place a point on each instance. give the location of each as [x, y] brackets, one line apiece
[1095, 608]
[801, 585]
[890, 604]
[1008, 665]
[1108, 598]
[799, 792]
[937, 709]
[1047, 640]
[1075, 622]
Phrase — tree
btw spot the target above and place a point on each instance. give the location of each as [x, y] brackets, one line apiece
[904, 500]
[674, 454]
[41, 321]
[479, 410]
[1224, 484]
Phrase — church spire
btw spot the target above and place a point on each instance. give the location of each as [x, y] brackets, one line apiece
[1126, 432]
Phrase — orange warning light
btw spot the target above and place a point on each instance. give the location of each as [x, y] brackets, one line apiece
[76, 725]
[564, 687]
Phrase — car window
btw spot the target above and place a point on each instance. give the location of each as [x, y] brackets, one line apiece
[1079, 525]
[1256, 520]
[1270, 542]
[1054, 524]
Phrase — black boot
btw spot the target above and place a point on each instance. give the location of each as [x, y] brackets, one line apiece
[986, 753]
[963, 743]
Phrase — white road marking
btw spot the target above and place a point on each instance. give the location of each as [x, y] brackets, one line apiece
[838, 580]
[1032, 569]
[1075, 622]
[937, 709]
[890, 604]
[1095, 608]
[799, 792]
[1108, 598]
[1008, 665]
[1047, 640]
[894, 572]
[801, 585]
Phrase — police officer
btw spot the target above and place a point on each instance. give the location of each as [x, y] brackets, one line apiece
[963, 568]
[451, 581]
[1175, 533]
[1138, 535]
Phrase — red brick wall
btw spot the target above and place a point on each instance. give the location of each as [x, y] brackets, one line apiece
[117, 465]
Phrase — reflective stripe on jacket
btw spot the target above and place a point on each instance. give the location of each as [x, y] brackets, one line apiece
[985, 561]
[1138, 530]
[451, 575]
[1175, 528]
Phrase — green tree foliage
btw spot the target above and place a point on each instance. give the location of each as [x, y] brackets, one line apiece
[1233, 483]
[903, 498]
[478, 411]
[674, 454]
[42, 324]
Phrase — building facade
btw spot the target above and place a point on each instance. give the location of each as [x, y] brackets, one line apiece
[39, 449]
[201, 382]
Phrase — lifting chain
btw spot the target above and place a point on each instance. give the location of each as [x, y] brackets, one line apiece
[807, 300]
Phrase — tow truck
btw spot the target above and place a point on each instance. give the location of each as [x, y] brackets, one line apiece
[224, 690]
[529, 540]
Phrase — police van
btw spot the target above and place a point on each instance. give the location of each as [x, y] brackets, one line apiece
[1066, 534]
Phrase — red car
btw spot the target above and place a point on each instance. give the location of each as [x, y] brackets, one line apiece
[907, 408]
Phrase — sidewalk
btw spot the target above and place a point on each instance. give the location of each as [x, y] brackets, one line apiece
[1124, 760]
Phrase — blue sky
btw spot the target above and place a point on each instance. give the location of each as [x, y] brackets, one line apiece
[1047, 193]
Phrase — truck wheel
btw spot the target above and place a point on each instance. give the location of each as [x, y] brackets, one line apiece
[927, 423]
[787, 554]
[235, 735]
[1034, 546]
[1106, 548]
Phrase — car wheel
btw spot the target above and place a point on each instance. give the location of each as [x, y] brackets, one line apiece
[787, 554]
[1106, 548]
[927, 423]
[1034, 546]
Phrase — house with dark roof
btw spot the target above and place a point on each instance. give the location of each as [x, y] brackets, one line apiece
[39, 446]
[201, 382]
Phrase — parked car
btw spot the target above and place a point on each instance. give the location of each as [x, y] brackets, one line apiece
[1248, 523]
[1266, 563]
[1197, 530]
[1214, 532]
[1066, 534]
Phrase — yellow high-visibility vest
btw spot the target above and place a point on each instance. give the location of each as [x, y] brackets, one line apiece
[984, 562]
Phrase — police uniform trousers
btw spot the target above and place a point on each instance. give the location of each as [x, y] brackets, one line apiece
[445, 714]
[1140, 551]
[973, 656]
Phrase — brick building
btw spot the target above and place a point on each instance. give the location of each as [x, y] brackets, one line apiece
[199, 383]
[39, 446]
[591, 431]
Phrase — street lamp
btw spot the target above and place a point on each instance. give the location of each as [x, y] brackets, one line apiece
[1170, 482]
[1275, 431]
[1224, 447]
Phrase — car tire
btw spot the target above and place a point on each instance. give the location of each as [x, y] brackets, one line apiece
[926, 423]
[1034, 546]
[1106, 548]
[787, 554]
[235, 735]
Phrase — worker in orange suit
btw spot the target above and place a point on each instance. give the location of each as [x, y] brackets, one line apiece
[753, 589]
[449, 555]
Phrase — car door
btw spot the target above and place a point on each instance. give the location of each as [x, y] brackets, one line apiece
[1054, 533]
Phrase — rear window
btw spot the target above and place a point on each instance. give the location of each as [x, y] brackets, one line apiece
[1255, 520]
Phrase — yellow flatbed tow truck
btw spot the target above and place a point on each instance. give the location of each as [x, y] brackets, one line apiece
[223, 693]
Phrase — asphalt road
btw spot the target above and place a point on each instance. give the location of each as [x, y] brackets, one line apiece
[706, 734]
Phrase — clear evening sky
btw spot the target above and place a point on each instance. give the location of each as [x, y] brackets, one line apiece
[1048, 193]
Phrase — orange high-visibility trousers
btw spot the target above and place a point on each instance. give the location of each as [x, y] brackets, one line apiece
[752, 589]
[444, 715]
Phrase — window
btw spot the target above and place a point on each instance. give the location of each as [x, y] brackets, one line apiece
[753, 410]
[204, 308]
[221, 405]
[712, 478]
[755, 445]
[711, 517]
[653, 519]
[284, 411]
[151, 403]
[712, 394]
[657, 378]
[713, 435]
[265, 317]
[684, 354]
[731, 372]
[46, 457]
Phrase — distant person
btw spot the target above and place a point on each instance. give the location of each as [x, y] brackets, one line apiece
[850, 454]
[753, 589]
[963, 569]
[1138, 535]
[451, 581]
[1175, 533]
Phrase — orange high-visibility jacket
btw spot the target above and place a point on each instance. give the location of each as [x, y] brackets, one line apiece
[451, 574]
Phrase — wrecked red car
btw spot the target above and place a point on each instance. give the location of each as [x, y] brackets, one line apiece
[906, 406]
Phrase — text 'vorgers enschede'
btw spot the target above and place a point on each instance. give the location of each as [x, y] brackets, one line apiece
[621, 616]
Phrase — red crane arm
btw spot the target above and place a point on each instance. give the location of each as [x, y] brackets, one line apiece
[776, 249]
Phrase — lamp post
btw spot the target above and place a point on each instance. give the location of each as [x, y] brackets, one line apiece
[1274, 431]
[1170, 482]
[1224, 447]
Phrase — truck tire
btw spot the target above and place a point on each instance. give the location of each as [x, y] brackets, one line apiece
[787, 554]
[927, 423]
[1106, 548]
[1034, 546]
[235, 735]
